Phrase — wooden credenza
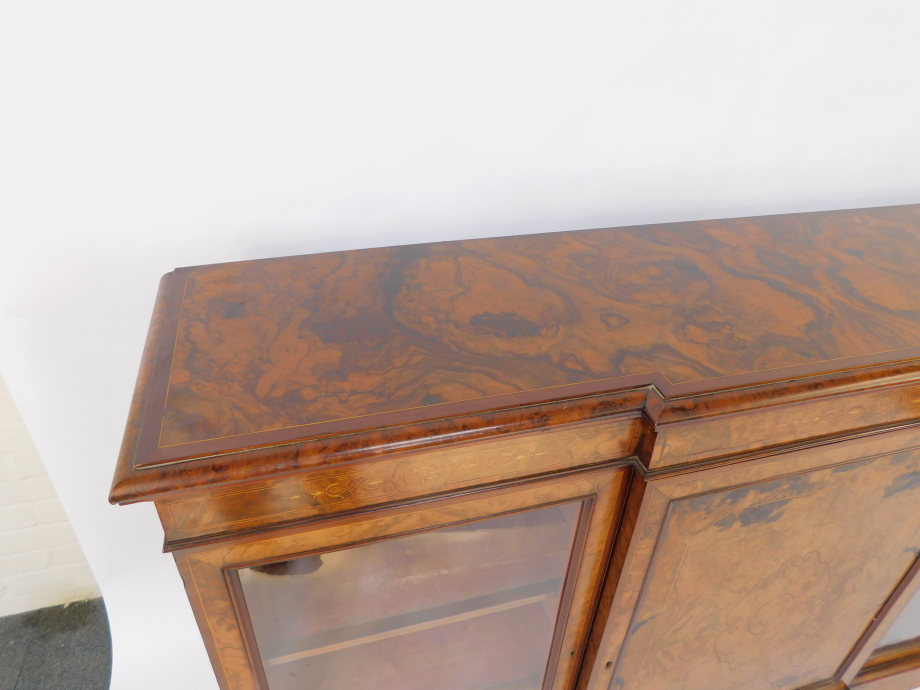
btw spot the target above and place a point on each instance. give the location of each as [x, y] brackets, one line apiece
[681, 456]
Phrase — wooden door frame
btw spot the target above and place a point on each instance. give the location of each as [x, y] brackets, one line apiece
[648, 513]
[209, 572]
[893, 667]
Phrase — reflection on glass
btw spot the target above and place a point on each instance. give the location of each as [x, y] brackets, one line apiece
[906, 626]
[468, 607]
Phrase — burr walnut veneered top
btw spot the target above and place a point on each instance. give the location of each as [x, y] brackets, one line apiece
[275, 350]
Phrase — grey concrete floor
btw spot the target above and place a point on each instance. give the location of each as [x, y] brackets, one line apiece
[58, 648]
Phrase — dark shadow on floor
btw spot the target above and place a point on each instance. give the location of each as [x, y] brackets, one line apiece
[58, 648]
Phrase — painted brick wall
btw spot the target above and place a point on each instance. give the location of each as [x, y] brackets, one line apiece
[41, 563]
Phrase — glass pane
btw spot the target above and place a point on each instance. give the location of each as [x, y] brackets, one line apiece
[467, 607]
[907, 625]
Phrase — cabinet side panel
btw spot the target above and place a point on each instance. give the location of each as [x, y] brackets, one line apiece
[211, 604]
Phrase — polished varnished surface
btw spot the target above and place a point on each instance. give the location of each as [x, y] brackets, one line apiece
[685, 443]
[764, 575]
[894, 667]
[212, 513]
[277, 344]
[735, 404]
[211, 591]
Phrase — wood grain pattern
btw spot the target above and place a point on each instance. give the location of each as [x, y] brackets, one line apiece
[127, 455]
[210, 591]
[606, 602]
[264, 345]
[132, 484]
[886, 616]
[757, 381]
[359, 485]
[264, 367]
[896, 667]
[685, 442]
[764, 574]
[300, 347]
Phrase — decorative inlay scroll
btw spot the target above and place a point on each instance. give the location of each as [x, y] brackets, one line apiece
[376, 481]
[690, 441]
[423, 474]
[346, 487]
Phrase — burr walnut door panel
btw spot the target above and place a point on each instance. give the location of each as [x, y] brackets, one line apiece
[766, 575]
[488, 592]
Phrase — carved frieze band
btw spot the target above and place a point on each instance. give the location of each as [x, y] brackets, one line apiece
[693, 441]
[378, 481]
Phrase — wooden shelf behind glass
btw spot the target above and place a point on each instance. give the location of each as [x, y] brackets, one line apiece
[418, 610]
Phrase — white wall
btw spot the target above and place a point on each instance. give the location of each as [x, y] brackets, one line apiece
[136, 137]
[41, 562]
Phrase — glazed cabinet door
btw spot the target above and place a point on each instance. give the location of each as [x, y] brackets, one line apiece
[772, 574]
[492, 591]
